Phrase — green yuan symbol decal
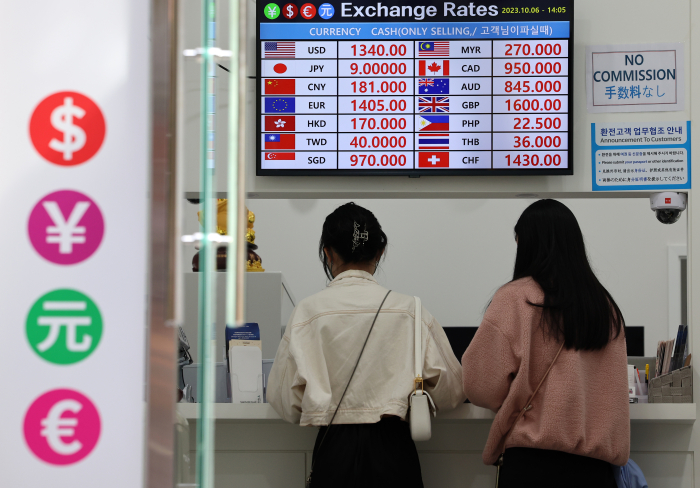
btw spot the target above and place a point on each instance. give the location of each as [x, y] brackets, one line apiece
[64, 326]
[272, 11]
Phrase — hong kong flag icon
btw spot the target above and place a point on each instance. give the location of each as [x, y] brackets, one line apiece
[280, 123]
[433, 160]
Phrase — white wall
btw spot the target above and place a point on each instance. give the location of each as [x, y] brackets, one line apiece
[454, 254]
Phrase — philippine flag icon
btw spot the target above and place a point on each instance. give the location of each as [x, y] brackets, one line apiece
[277, 105]
[279, 141]
[433, 160]
[434, 123]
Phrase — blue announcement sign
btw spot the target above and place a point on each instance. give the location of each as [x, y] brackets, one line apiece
[641, 155]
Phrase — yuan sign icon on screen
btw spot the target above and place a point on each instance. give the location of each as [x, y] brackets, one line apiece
[71, 323]
[64, 326]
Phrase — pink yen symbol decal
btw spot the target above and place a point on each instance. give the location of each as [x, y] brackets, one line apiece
[62, 427]
[66, 227]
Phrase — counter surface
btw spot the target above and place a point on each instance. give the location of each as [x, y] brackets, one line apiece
[679, 413]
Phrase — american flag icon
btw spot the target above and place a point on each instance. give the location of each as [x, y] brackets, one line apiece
[284, 49]
[433, 104]
[440, 49]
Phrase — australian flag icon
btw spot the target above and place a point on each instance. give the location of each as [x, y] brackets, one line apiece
[434, 86]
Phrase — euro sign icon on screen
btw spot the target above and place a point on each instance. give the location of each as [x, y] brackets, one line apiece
[55, 427]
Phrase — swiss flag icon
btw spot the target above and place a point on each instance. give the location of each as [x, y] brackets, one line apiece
[433, 160]
[668, 201]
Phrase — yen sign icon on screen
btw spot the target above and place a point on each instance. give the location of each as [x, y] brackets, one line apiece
[64, 326]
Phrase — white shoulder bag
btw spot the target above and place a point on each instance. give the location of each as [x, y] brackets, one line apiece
[420, 404]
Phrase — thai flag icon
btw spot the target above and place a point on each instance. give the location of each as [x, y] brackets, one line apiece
[434, 141]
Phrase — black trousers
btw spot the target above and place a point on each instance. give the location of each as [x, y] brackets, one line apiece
[380, 455]
[542, 468]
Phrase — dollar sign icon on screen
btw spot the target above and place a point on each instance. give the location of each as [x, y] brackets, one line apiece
[67, 128]
[290, 11]
[73, 136]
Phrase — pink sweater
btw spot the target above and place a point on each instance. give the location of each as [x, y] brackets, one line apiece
[582, 407]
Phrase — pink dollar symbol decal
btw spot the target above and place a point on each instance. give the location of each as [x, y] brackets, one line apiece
[62, 427]
[66, 227]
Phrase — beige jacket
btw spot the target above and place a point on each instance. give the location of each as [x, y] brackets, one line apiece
[323, 340]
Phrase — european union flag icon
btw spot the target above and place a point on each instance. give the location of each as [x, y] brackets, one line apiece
[435, 86]
[278, 105]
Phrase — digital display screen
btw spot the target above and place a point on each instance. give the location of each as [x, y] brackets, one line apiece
[413, 87]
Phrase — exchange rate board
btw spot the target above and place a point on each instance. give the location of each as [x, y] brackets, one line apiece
[414, 88]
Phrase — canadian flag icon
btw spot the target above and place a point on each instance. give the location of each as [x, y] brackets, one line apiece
[437, 67]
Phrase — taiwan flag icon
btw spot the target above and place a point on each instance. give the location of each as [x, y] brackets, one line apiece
[433, 160]
[279, 141]
[275, 105]
[280, 87]
[280, 123]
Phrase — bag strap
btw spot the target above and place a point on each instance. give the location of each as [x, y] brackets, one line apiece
[348, 385]
[418, 349]
[528, 405]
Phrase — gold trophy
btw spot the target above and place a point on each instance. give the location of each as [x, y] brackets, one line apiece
[254, 263]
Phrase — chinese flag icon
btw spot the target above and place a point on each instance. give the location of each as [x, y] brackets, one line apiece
[438, 67]
[279, 87]
[279, 141]
[280, 123]
[433, 160]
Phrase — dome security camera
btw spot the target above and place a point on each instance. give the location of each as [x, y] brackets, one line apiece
[668, 206]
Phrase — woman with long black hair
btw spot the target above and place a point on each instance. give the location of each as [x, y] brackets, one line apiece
[347, 356]
[550, 359]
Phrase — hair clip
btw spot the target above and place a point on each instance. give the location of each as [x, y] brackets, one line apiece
[357, 236]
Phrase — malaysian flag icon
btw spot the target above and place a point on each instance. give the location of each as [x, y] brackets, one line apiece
[280, 49]
[434, 49]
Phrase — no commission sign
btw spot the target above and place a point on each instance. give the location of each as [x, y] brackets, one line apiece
[635, 78]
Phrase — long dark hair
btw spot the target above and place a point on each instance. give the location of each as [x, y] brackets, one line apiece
[577, 308]
[339, 234]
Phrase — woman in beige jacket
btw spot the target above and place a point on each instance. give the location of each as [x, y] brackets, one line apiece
[369, 443]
